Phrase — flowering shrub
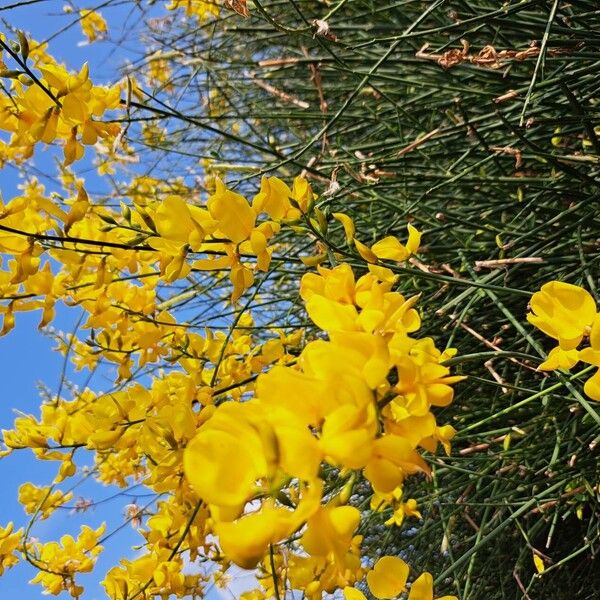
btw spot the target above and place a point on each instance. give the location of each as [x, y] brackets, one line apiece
[267, 444]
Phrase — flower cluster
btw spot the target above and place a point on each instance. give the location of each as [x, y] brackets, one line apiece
[93, 25]
[202, 9]
[60, 562]
[567, 313]
[58, 106]
[359, 401]
[388, 578]
[252, 443]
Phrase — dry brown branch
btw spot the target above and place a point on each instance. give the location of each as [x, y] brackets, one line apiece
[526, 596]
[551, 503]
[418, 142]
[501, 262]
[494, 345]
[487, 57]
[483, 446]
[470, 521]
[508, 96]
[513, 152]
[278, 62]
[488, 365]
[284, 96]
[238, 6]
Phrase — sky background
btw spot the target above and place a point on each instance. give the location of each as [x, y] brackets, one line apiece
[26, 356]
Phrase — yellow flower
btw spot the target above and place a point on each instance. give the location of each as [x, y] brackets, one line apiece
[232, 212]
[41, 499]
[246, 540]
[422, 589]
[330, 531]
[9, 543]
[226, 458]
[388, 577]
[392, 459]
[591, 356]
[335, 284]
[274, 199]
[202, 9]
[562, 311]
[390, 248]
[302, 194]
[93, 25]
[380, 502]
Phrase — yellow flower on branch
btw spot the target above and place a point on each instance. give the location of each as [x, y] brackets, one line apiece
[422, 589]
[9, 544]
[93, 25]
[567, 313]
[562, 311]
[388, 577]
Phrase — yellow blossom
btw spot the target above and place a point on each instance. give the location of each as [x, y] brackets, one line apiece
[563, 311]
[93, 25]
[388, 577]
[422, 589]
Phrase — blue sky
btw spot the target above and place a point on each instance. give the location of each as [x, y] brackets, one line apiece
[26, 355]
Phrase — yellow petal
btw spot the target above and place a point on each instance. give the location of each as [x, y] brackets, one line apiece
[223, 466]
[344, 441]
[595, 333]
[383, 273]
[422, 588]
[351, 593]
[592, 386]
[331, 316]
[330, 529]
[347, 224]
[414, 239]
[299, 452]
[304, 395]
[344, 520]
[233, 213]
[247, 540]
[388, 577]
[173, 220]
[560, 359]
[390, 248]
[303, 194]
[365, 252]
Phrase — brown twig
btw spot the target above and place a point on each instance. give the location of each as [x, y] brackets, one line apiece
[284, 96]
[521, 586]
[493, 345]
[488, 365]
[513, 152]
[418, 142]
[507, 96]
[278, 62]
[487, 57]
[551, 503]
[500, 262]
